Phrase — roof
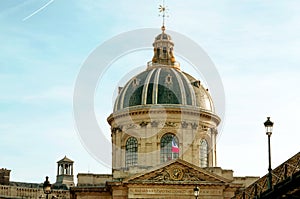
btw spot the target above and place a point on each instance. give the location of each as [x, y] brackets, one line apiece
[163, 83]
[65, 159]
[163, 86]
[177, 171]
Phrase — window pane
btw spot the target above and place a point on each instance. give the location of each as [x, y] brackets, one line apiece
[131, 152]
[203, 153]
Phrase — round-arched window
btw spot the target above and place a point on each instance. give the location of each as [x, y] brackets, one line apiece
[131, 155]
[203, 153]
[169, 147]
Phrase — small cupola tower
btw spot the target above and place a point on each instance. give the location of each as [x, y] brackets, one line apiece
[163, 49]
[65, 172]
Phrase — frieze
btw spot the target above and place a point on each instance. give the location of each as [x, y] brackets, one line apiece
[143, 124]
[166, 191]
[131, 126]
[170, 124]
[198, 113]
[158, 191]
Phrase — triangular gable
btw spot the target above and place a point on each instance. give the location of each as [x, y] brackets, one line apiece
[65, 159]
[176, 171]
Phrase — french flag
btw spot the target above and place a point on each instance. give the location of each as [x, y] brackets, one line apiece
[175, 148]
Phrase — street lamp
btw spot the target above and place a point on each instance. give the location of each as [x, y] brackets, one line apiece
[196, 192]
[47, 187]
[269, 127]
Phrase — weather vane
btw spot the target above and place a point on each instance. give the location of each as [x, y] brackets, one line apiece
[163, 10]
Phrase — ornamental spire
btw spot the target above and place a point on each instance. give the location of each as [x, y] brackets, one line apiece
[163, 11]
[163, 45]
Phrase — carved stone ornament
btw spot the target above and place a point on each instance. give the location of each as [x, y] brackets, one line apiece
[194, 125]
[131, 126]
[184, 125]
[190, 175]
[170, 124]
[143, 124]
[154, 124]
[168, 81]
[162, 176]
[136, 82]
[176, 173]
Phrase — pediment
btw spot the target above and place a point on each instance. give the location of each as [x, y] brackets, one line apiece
[176, 171]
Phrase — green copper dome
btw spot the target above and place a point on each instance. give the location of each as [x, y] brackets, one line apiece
[163, 83]
[161, 86]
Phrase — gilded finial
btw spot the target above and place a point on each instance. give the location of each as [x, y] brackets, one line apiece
[163, 13]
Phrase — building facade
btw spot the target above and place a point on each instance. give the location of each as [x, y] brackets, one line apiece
[164, 130]
[158, 109]
[4, 176]
[60, 189]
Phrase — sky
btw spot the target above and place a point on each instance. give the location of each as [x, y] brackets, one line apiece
[44, 44]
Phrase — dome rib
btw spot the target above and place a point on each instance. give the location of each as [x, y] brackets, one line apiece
[193, 95]
[155, 87]
[146, 86]
[123, 94]
[181, 87]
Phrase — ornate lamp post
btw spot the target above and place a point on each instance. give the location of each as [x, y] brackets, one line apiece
[196, 192]
[47, 187]
[269, 127]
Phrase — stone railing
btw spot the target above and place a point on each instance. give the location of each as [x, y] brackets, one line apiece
[7, 191]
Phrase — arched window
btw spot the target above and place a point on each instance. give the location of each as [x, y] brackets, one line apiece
[203, 153]
[169, 147]
[131, 152]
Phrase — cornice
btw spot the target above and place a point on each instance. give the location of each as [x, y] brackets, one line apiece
[197, 112]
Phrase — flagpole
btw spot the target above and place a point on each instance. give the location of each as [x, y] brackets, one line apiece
[172, 147]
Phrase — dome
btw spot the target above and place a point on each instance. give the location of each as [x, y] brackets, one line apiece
[163, 86]
[163, 37]
[163, 83]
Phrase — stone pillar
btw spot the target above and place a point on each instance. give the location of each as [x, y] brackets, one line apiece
[214, 147]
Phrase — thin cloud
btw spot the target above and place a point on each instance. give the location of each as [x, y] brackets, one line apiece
[38, 10]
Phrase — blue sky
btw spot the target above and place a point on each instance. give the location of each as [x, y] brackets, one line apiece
[254, 44]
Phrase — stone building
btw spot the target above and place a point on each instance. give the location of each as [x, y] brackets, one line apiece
[18, 190]
[65, 175]
[4, 176]
[163, 129]
[60, 189]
